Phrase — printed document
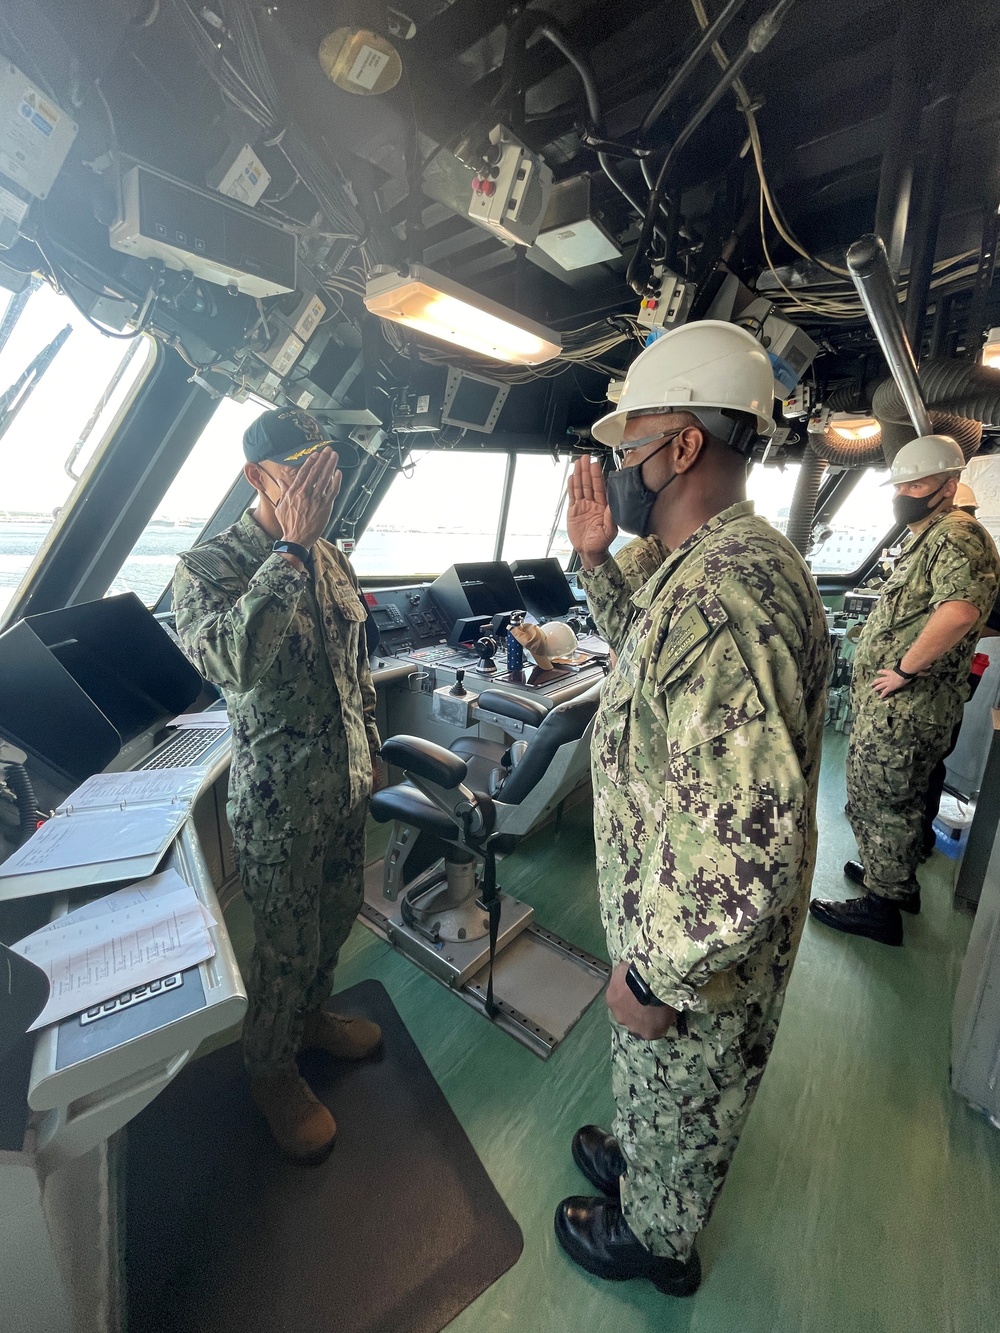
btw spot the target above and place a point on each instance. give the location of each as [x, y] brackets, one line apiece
[130, 938]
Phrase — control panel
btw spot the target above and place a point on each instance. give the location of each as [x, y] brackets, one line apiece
[406, 619]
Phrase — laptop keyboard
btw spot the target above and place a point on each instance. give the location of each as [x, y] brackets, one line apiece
[185, 749]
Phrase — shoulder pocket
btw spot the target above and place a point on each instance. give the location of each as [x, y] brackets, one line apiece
[708, 693]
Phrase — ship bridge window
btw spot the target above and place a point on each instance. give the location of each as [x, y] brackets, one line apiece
[63, 386]
[849, 536]
[443, 508]
[536, 519]
[858, 528]
[197, 491]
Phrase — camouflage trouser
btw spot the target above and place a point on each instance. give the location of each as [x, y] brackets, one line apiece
[890, 762]
[304, 893]
[681, 1106]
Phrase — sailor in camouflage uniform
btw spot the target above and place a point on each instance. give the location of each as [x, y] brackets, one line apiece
[272, 615]
[911, 681]
[706, 759]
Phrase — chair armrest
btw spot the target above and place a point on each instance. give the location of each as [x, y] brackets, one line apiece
[519, 708]
[425, 760]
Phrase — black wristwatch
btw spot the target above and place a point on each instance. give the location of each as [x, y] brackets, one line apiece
[302, 553]
[907, 675]
[639, 988]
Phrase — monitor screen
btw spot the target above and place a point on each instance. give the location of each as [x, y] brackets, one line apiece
[473, 402]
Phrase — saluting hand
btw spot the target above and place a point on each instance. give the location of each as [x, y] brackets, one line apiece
[306, 505]
[588, 519]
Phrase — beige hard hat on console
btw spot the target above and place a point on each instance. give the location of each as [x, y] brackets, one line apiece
[709, 368]
[926, 456]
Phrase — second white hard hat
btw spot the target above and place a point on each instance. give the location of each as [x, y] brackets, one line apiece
[965, 497]
[708, 364]
[560, 641]
[926, 456]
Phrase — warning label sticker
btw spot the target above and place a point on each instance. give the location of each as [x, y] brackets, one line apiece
[367, 67]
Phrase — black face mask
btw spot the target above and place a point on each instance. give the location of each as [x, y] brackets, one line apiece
[911, 509]
[630, 499]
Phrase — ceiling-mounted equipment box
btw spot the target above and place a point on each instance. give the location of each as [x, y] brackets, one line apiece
[191, 230]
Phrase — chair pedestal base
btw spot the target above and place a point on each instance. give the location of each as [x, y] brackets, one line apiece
[454, 962]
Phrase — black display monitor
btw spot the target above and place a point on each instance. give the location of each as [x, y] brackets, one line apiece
[544, 587]
[480, 589]
[78, 684]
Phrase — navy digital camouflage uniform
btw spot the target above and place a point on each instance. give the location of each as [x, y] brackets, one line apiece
[896, 743]
[706, 760]
[288, 651]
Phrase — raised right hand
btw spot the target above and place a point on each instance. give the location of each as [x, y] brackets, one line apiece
[305, 507]
[589, 523]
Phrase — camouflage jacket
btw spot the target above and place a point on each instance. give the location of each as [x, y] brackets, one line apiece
[953, 559]
[288, 651]
[706, 756]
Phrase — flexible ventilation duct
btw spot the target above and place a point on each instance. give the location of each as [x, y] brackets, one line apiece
[803, 507]
[962, 397]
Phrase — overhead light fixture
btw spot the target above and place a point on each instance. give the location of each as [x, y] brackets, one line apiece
[429, 303]
[990, 355]
[850, 426]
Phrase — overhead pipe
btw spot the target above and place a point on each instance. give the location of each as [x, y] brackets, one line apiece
[761, 34]
[711, 34]
[868, 265]
[927, 213]
[896, 173]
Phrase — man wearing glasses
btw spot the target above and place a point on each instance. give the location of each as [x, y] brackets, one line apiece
[271, 614]
[706, 759]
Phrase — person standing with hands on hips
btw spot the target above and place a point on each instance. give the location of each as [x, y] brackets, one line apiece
[271, 614]
[910, 684]
[705, 767]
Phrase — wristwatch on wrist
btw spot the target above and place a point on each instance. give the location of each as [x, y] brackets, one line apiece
[639, 988]
[907, 675]
[281, 547]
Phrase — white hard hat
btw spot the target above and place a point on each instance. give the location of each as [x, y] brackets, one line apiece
[926, 456]
[965, 497]
[560, 641]
[708, 364]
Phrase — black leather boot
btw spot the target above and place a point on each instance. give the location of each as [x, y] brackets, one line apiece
[855, 872]
[597, 1154]
[595, 1235]
[874, 917]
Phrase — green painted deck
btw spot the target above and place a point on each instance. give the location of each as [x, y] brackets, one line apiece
[864, 1195]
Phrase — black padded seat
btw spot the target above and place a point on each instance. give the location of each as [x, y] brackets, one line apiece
[410, 806]
[482, 757]
[566, 722]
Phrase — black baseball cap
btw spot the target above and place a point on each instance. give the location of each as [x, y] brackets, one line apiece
[286, 435]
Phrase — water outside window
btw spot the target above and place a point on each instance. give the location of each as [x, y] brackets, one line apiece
[38, 448]
[444, 509]
[198, 489]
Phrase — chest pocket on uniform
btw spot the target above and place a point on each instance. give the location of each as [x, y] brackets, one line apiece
[707, 691]
[338, 590]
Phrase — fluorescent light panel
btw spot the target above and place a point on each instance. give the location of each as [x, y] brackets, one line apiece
[432, 304]
[991, 349]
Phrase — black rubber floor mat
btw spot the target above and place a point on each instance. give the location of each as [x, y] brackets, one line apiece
[399, 1230]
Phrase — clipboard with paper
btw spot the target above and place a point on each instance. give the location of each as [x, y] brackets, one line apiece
[115, 826]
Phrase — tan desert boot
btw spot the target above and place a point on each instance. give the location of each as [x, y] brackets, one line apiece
[302, 1126]
[346, 1038]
